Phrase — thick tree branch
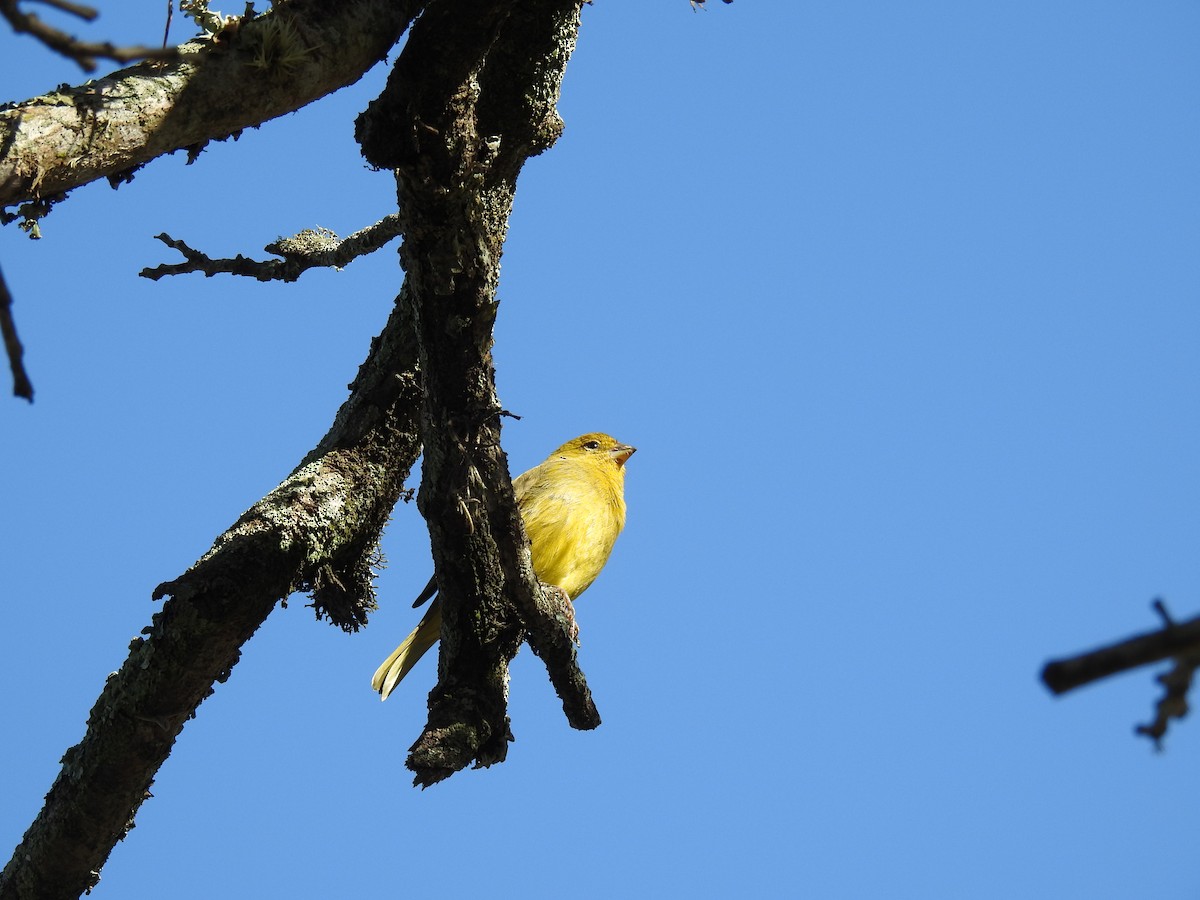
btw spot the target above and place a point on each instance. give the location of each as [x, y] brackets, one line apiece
[423, 126]
[317, 531]
[279, 62]
[472, 96]
[311, 248]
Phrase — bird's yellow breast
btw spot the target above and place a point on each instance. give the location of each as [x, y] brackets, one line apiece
[573, 510]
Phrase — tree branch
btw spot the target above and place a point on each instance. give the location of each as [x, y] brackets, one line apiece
[1173, 639]
[311, 248]
[1178, 641]
[1173, 703]
[83, 52]
[550, 631]
[472, 96]
[317, 531]
[475, 97]
[275, 64]
[22, 386]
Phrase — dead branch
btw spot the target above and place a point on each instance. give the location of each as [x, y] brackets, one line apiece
[1173, 703]
[1179, 641]
[85, 53]
[470, 99]
[311, 248]
[22, 386]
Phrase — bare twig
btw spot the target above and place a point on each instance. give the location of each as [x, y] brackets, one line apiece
[22, 386]
[87, 13]
[311, 248]
[83, 52]
[1163, 613]
[1175, 640]
[1173, 703]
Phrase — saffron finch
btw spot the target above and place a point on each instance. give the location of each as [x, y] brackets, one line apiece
[573, 508]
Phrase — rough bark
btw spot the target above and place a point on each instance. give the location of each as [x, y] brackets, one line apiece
[472, 98]
[275, 64]
[465, 106]
[317, 531]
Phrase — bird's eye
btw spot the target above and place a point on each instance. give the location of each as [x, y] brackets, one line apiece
[592, 445]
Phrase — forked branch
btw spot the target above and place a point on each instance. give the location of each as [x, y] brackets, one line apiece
[311, 248]
[85, 53]
[1177, 641]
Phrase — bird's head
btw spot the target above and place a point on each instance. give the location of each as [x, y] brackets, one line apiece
[598, 445]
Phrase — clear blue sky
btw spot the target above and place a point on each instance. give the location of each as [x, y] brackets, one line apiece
[899, 302]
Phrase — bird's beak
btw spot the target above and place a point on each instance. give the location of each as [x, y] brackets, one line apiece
[622, 452]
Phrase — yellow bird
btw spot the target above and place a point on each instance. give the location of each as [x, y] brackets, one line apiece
[573, 507]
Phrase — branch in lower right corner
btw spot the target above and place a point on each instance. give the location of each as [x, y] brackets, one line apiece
[1173, 703]
[1171, 640]
[1178, 641]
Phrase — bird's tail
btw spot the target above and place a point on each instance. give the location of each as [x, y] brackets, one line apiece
[404, 657]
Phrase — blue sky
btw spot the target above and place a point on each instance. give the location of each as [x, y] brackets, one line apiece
[898, 302]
